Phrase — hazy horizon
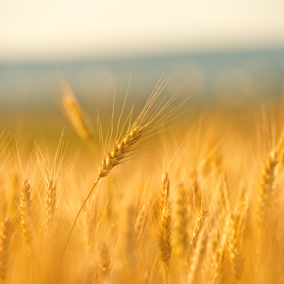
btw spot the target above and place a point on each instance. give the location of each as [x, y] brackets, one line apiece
[43, 31]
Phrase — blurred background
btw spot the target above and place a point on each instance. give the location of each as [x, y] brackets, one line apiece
[232, 53]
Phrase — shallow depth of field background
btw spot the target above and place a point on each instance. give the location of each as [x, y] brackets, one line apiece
[231, 55]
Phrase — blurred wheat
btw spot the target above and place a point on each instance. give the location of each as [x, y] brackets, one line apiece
[215, 217]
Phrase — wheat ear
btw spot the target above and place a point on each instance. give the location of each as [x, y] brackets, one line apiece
[180, 222]
[197, 257]
[5, 238]
[50, 207]
[26, 216]
[118, 153]
[104, 263]
[196, 190]
[216, 260]
[76, 114]
[89, 230]
[76, 218]
[265, 186]
[14, 196]
[164, 238]
[263, 195]
[140, 225]
[124, 147]
[218, 256]
[26, 213]
[234, 247]
[198, 227]
[164, 192]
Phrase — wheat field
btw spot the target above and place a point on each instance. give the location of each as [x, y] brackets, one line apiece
[153, 201]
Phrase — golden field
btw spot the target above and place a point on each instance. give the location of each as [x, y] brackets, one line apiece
[178, 198]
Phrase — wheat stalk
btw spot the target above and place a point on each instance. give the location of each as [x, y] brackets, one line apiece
[281, 280]
[114, 158]
[122, 148]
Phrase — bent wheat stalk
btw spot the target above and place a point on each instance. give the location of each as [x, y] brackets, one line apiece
[113, 159]
[123, 147]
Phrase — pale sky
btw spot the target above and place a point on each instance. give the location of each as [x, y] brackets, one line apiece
[35, 30]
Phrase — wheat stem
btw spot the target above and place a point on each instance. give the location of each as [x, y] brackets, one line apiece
[76, 218]
[31, 266]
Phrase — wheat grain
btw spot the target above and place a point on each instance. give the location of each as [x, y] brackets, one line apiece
[120, 150]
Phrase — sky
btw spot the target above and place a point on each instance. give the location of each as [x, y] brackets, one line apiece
[53, 30]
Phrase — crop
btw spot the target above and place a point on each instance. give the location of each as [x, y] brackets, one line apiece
[167, 202]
